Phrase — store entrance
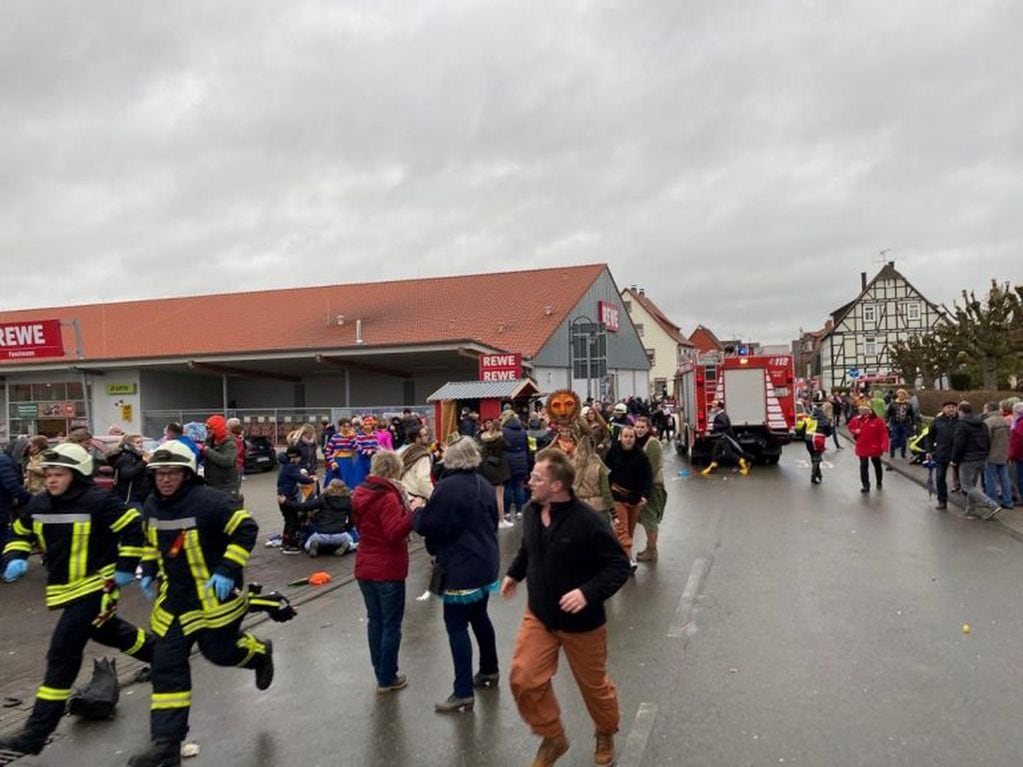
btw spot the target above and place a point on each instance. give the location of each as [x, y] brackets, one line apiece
[52, 427]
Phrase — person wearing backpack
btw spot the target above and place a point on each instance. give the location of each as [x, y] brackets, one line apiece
[900, 419]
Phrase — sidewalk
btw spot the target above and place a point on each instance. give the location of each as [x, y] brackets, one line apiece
[1010, 519]
[27, 624]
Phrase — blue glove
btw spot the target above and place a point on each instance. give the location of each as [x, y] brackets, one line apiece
[148, 588]
[220, 585]
[15, 569]
[122, 578]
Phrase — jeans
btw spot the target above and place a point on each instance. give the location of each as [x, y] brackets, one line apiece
[515, 493]
[457, 619]
[898, 441]
[865, 470]
[385, 608]
[969, 474]
[996, 478]
[330, 539]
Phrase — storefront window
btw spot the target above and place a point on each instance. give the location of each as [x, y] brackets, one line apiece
[49, 392]
[74, 390]
[46, 408]
[21, 392]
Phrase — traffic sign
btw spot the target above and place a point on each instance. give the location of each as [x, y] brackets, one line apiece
[853, 373]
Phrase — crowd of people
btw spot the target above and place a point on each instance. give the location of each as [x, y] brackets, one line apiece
[173, 522]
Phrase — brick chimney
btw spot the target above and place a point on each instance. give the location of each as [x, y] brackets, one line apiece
[863, 281]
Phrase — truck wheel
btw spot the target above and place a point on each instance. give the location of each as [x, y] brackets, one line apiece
[771, 460]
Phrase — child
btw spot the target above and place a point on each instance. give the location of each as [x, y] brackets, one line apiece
[331, 525]
[289, 478]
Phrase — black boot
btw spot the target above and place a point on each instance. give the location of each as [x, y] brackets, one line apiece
[265, 667]
[23, 742]
[161, 753]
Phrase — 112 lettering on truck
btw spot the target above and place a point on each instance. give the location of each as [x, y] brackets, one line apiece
[759, 397]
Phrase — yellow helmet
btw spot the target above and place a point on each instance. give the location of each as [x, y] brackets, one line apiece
[173, 454]
[68, 455]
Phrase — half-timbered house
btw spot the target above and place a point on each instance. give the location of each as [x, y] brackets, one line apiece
[887, 309]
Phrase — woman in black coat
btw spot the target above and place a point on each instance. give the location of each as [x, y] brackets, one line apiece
[631, 484]
[458, 525]
[517, 451]
[132, 480]
[495, 464]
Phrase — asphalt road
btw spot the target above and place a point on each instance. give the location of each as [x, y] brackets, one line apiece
[784, 624]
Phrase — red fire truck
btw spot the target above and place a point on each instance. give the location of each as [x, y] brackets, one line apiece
[759, 398]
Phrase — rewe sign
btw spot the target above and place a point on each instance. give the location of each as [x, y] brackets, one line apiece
[500, 367]
[19, 340]
[608, 314]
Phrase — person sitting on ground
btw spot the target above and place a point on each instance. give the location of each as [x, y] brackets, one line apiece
[290, 476]
[331, 529]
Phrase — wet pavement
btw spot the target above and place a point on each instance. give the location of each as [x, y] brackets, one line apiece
[784, 624]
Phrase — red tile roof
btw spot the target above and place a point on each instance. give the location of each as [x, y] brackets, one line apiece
[704, 340]
[669, 327]
[513, 311]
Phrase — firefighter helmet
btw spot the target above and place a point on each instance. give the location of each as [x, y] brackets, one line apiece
[173, 454]
[68, 455]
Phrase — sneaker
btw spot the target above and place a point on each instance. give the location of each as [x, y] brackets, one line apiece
[453, 704]
[992, 512]
[504, 524]
[400, 682]
[289, 549]
[552, 748]
[485, 681]
[313, 548]
[633, 565]
[265, 667]
[941, 507]
[22, 742]
[518, 513]
[604, 753]
[865, 489]
[341, 550]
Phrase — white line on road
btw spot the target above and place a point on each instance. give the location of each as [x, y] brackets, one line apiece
[685, 603]
[632, 756]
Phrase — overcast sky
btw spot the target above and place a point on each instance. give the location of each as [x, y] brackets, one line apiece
[742, 161]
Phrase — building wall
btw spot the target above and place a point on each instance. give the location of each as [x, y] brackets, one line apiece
[110, 409]
[665, 349]
[171, 391]
[625, 350]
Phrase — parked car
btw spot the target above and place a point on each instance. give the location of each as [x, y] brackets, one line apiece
[259, 455]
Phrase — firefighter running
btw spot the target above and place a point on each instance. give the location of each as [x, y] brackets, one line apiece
[92, 543]
[198, 545]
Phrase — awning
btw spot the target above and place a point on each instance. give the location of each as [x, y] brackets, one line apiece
[459, 390]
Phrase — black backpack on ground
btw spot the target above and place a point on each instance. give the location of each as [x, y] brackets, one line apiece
[98, 699]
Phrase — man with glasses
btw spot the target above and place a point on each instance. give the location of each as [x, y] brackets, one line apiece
[573, 564]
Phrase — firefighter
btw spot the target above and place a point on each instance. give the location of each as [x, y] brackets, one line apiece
[198, 545]
[92, 542]
[726, 446]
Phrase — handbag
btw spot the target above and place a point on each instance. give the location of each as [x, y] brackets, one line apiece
[437, 578]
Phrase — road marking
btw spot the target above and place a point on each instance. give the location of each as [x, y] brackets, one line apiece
[632, 756]
[685, 603]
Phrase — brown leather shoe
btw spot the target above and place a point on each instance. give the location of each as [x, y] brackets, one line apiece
[552, 748]
[604, 755]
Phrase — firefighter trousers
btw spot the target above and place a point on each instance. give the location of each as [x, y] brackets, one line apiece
[64, 659]
[172, 675]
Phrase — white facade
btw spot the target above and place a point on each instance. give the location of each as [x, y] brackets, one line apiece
[888, 309]
[664, 347]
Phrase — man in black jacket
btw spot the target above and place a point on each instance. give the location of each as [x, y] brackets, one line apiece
[573, 563]
[939, 448]
[969, 452]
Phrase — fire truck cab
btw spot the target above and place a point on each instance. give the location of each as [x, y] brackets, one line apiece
[759, 397]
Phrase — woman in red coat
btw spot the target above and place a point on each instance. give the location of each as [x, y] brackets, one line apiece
[871, 435]
[382, 515]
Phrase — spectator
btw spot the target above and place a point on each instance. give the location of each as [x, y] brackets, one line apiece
[900, 418]
[517, 441]
[1016, 444]
[290, 478]
[234, 427]
[219, 458]
[331, 526]
[175, 431]
[459, 525]
[12, 494]
[939, 448]
[467, 424]
[871, 435]
[34, 471]
[326, 432]
[599, 433]
[970, 450]
[132, 482]
[383, 517]
[569, 577]
[631, 486]
[304, 439]
[996, 470]
[417, 463]
[495, 467]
